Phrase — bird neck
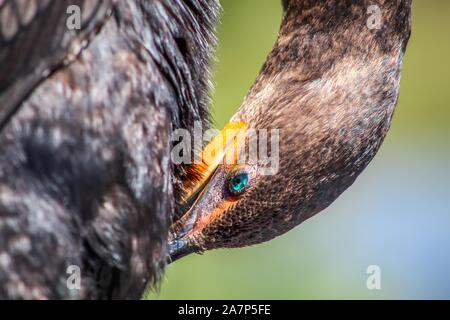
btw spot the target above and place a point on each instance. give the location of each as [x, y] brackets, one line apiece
[314, 34]
[328, 43]
[330, 86]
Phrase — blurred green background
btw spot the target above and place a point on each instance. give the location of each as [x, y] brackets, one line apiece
[396, 215]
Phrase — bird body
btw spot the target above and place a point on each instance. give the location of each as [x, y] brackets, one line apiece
[86, 177]
[85, 173]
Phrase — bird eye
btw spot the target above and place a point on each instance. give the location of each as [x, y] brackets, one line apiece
[239, 183]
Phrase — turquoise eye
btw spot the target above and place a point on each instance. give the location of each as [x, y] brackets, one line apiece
[238, 183]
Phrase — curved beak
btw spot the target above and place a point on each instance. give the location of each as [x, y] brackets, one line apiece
[181, 230]
[203, 201]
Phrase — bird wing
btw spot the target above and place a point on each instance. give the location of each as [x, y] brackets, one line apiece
[38, 36]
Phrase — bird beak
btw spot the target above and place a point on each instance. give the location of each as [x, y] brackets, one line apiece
[202, 201]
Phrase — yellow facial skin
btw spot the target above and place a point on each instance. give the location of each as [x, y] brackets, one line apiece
[225, 149]
[204, 200]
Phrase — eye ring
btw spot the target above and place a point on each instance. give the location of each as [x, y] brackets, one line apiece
[238, 182]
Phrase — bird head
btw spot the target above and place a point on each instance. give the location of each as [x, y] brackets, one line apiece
[313, 120]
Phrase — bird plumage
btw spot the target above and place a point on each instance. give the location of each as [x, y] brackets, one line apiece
[85, 171]
[329, 86]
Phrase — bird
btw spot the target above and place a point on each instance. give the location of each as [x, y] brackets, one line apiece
[86, 118]
[90, 92]
[328, 91]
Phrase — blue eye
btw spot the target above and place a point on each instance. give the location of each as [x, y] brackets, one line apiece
[238, 183]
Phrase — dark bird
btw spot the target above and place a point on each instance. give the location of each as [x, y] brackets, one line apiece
[329, 86]
[86, 116]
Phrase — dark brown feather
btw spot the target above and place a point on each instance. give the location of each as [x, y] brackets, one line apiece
[85, 171]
